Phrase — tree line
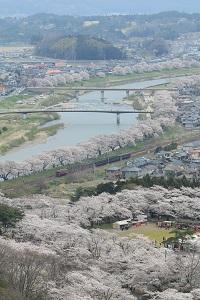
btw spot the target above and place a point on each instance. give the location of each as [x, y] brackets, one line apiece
[146, 181]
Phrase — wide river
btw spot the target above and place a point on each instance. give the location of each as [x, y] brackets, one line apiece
[82, 126]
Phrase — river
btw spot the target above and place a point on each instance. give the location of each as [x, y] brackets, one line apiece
[80, 127]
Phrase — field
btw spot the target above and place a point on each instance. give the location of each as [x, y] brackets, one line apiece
[150, 230]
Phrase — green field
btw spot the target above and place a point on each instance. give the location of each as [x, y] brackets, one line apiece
[10, 102]
[150, 230]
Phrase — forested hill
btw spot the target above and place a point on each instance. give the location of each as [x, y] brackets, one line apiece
[79, 48]
[168, 25]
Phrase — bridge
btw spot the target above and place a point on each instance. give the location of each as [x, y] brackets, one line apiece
[102, 90]
[89, 89]
[24, 112]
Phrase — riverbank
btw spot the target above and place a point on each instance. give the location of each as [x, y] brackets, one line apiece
[16, 131]
[47, 183]
[112, 80]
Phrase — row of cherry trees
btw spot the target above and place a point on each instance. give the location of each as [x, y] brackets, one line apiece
[59, 79]
[149, 67]
[67, 78]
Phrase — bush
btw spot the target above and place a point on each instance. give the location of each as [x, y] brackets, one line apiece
[9, 216]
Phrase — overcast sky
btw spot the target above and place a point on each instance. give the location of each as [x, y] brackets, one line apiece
[88, 7]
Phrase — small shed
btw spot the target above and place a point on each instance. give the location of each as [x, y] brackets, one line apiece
[121, 225]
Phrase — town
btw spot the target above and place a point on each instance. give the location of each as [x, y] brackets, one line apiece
[183, 160]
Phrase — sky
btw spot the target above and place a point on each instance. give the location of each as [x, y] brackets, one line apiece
[89, 7]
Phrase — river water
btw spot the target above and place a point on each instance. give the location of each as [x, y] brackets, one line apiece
[80, 127]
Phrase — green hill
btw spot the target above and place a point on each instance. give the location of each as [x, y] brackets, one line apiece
[79, 48]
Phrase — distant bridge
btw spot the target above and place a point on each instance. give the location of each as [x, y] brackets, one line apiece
[89, 89]
[102, 90]
[24, 112]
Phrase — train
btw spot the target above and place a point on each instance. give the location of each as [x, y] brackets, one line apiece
[112, 159]
[99, 163]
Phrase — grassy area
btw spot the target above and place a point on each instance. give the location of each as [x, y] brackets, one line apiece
[14, 130]
[11, 102]
[47, 183]
[150, 230]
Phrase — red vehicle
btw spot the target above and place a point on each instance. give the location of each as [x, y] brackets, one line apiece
[62, 173]
[196, 228]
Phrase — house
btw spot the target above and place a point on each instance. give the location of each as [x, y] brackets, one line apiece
[53, 72]
[188, 147]
[113, 172]
[193, 171]
[131, 172]
[148, 170]
[195, 154]
[2, 88]
[174, 169]
[166, 155]
[165, 224]
[141, 162]
[182, 155]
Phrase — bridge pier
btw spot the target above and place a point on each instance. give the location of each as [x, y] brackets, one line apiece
[118, 118]
[102, 95]
[77, 95]
[24, 116]
[127, 93]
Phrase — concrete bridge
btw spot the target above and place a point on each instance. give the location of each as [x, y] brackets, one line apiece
[102, 90]
[24, 112]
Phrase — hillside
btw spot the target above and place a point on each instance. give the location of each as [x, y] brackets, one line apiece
[79, 48]
[168, 25]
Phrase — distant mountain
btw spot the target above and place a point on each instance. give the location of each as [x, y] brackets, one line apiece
[79, 48]
[93, 7]
[119, 30]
